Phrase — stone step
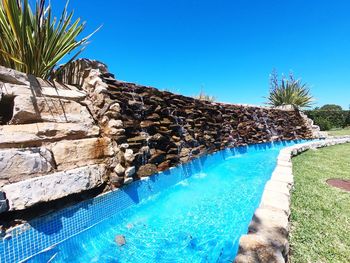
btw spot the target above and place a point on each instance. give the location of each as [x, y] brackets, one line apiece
[30, 109]
[29, 135]
[80, 152]
[68, 93]
[51, 187]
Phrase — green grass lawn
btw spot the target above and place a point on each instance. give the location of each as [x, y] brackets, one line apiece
[339, 132]
[320, 214]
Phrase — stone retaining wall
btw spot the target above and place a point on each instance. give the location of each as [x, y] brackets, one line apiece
[50, 144]
[155, 130]
[124, 130]
[267, 240]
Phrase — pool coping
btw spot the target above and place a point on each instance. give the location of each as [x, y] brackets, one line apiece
[268, 232]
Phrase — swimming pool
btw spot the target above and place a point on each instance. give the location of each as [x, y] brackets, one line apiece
[195, 212]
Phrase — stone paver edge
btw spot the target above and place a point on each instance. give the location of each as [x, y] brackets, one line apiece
[267, 236]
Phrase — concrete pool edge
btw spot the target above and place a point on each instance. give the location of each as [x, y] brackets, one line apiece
[268, 232]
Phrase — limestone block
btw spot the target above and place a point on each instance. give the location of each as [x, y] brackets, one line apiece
[275, 200]
[115, 107]
[36, 134]
[278, 186]
[70, 153]
[119, 169]
[51, 187]
[282, 162]
[46, 91]
[128, 180]
[118, 124]
[16, 164]
[130, 171]
[129, 155]
[286, 151]
[67, 94]
[269, 221]
[284, 157]
[116, 180]
[13, 76]
[15, 89]
[255, 248]
[29, 109]
[283, 174]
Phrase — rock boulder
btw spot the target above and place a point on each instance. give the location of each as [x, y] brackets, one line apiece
[19, 164]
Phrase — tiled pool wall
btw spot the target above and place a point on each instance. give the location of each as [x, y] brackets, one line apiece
[24, 241]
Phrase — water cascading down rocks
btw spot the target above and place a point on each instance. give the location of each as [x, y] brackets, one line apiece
[99, 131]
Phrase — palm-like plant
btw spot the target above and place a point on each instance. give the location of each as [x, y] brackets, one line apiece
[289, 92]
[34, 42]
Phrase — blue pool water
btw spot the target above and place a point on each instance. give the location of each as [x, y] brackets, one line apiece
[199, 218]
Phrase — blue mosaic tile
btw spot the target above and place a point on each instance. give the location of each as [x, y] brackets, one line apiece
[25, 241]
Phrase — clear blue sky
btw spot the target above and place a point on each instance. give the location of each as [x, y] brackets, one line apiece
[229, 47]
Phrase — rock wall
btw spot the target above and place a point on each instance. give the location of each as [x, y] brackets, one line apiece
[97, 130]
[50, 145]
[157, 129]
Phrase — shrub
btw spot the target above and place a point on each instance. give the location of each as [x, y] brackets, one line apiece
[330, 107]
[347, 119]
[329, 119]
[324, 124]
[289, 91]
[34, 42]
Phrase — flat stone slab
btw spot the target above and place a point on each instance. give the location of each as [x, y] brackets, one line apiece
[45, 91]
[30, 109]
[255, 248]
[19, 164]
[278, 186]
[36, 134]
[275, 200]
[63, 93]
[284, 163]
[269, 220]
[284, 157]
[283, 174]
[50, 187]
[69, 153]
[13, 76]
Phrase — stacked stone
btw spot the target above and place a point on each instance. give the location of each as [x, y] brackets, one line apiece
[124, 131]
[50, 145]
[152, 130]
[163, 129]
[106, 112]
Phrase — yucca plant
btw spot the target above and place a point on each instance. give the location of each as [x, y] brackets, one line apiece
[203, 96]
[289, 92]
[34, 42]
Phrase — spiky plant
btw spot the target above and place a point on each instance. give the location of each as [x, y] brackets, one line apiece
[203, 96]
[34, 42]
[289, 92]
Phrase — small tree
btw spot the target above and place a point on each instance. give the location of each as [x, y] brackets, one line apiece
[288, 91]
